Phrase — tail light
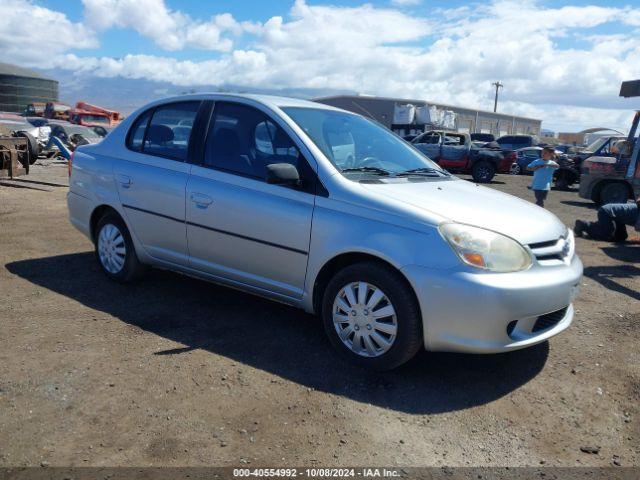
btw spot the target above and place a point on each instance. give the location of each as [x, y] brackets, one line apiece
[70, 162]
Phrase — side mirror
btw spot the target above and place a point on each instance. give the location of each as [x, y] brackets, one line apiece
[283, 174]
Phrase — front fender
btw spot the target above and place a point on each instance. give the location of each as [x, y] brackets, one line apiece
[337, 231]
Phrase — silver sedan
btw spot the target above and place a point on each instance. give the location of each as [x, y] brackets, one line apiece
[327, 211]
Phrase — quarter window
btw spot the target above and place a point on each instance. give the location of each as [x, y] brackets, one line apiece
[136, 136]
[244, 140]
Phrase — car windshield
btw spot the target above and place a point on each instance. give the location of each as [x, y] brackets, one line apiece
[355, 144]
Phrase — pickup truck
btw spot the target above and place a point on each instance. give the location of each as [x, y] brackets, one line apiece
[455, 152]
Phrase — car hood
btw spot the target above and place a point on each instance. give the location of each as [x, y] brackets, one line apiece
[465, 202]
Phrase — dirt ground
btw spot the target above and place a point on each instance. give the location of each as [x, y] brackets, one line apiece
[175, 371]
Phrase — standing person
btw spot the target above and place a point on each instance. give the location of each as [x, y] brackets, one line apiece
[612, 223]
[543, 169]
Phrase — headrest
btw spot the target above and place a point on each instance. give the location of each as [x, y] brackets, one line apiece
[158, 134]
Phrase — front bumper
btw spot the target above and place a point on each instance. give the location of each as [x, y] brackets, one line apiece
[479, 312]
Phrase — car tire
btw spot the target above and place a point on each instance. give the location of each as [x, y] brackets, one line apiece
[483, 171]
[615, 192]
[114, 249]
[515, 169]
[377, 343]
[34, 149]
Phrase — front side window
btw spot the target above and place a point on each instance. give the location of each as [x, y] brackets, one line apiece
[355, 144]
[243, 140]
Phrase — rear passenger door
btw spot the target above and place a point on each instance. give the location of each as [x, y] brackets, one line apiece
[151, 180]
[238, 226]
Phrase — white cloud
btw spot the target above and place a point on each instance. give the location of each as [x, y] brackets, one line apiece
[406, 3]
[30, 34]
[450, 57]
[170, 30]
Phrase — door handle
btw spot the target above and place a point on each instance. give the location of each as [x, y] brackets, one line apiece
[124, 180]
[201, 200]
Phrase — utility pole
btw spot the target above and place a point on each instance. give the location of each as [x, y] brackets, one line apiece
[495, 103]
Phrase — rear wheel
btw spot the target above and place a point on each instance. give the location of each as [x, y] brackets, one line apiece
[372, 317]
[483, 171]
[516, 169]
[614, 193]
[114, 249]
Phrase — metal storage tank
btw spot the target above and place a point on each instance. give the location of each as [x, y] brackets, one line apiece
[21, 86]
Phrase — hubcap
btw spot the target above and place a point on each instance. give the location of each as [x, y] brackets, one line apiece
[364, 319]
[111, 248]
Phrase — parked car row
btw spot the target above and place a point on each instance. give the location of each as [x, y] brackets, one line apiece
[40, 130]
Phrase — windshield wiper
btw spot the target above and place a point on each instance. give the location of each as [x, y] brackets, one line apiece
[427, 171]
[379, 171]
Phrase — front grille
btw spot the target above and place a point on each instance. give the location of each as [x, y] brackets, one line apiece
[549, 320]
[553, 252]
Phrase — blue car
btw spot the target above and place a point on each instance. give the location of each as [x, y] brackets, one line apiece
[524, 157]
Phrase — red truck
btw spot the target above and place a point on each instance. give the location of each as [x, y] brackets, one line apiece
[92, 115]
[456, 153]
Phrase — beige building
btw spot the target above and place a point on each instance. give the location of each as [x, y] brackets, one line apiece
[467, 120]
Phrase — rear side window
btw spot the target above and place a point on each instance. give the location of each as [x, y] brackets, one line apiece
[166, 136]
[168, 131]
[243, 140]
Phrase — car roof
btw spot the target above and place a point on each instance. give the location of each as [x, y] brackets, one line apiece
[12, 121]
[269, 100]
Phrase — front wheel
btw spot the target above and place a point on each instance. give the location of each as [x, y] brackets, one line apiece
[114, 249]
[515, 169]
[371, 316]
[483, 172]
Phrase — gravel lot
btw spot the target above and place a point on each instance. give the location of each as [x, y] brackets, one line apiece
[174, 371]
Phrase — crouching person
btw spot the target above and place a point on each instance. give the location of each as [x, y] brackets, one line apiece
[612, 222]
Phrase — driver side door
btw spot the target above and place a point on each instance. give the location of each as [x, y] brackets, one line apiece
[454, 152]
[430, 144]
[239, 227]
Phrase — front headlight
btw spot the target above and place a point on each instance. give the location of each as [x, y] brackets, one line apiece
[485, 249]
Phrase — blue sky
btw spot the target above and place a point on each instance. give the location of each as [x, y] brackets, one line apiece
[560, 61]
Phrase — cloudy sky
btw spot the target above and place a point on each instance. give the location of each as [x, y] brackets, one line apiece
[559, 61]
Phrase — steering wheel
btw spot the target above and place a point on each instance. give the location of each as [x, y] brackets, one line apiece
[349, 162]
[368, 162]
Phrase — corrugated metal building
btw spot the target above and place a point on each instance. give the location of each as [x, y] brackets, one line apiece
[20, 86]
[466, 119]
